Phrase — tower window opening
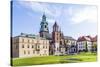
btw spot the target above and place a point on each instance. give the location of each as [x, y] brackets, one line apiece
[45, 26]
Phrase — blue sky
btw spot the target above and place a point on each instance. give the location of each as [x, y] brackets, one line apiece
[74, 20]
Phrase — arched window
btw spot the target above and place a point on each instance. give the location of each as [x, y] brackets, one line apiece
[45, 26]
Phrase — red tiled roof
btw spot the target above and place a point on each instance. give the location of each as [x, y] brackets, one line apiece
[87, 38]
[84, 38]
[94, 39]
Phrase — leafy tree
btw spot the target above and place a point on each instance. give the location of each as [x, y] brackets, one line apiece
[86, 47]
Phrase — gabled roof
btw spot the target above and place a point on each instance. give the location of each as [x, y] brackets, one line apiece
[83, 38]
[94, 39]
[89, 37]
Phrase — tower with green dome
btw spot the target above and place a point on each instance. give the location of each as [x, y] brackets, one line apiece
[44, 31]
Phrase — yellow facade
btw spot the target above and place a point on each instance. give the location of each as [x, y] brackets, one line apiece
[29, 47]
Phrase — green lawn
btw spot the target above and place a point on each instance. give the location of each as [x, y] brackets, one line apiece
[82, 57]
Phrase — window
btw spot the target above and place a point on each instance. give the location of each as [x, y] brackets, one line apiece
[16, 46]
[23, 46]
[22, 40]
[28, 52]
[28, 41]
[38, 46]
[57, 49]
[74, 50]
[32, 46]
[81, 47]
[24, 52]
[46, 47]
[28, 46]
[43, 46]
[57, 38]
[45, 26]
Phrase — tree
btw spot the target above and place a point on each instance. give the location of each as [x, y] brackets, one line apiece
[86, 47]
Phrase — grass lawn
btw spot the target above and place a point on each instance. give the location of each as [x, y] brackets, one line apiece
[82, 57]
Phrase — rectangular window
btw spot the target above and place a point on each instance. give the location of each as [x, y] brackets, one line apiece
[23, 46]
[28, 52]
[46, 47]
[57, 48]
[57, 38]
[22, 40]
[43, 46]
[28, 41]
[16, 46]
[24, 52]
[28, 46]
[38, 46]
[32, 46]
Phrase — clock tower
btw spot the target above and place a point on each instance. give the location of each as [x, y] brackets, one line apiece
[44, 31]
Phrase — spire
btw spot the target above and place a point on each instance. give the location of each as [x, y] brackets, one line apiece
[44, 26]
[55, 27]
[55, 24]
[44, 17]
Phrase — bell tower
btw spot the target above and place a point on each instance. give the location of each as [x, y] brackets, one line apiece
[56, 39]
[44, 31]
[56, 33]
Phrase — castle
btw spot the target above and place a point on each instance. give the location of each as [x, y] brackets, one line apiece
[44, 44]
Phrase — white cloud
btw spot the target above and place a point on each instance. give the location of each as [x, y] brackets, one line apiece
[41, 7]
[78, 15]
[87, 14]
[50, 10]
[36, 6]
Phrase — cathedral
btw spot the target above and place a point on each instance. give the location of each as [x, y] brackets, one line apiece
[58, 42]
[45, 44]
